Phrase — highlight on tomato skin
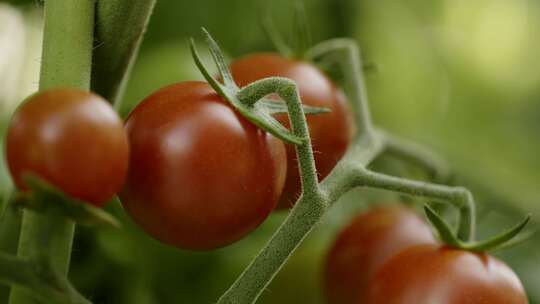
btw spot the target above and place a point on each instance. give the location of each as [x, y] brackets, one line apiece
[331, 133]
[201, 176]
[72, 139]
[362, 247]
[425, 274]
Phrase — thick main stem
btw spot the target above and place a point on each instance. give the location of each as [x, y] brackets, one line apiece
[66, 62]
[311, 206]
[119, 31]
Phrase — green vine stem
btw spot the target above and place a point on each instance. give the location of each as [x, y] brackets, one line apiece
[346, 54]
[288, 91]
[459, 196]
[66, 61]
[414, 153]
[350, 172]
[120, 27]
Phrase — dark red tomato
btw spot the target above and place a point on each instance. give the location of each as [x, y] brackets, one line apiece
[201, 176]
[73, 140]
[427, 274]
[365, 244]
[330, 133]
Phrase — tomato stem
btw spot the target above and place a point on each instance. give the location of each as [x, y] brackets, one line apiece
[459, 196]
[66, 61]
[416, 154]
[288, 91]
[346, 53]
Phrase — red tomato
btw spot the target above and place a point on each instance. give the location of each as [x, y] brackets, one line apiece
[365, 244]
[330, 133]
[73, 140]
[426, 274]
[201, 176]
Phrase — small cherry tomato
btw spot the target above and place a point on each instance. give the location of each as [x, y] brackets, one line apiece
[330, 133]
[201, 176]
[365, 244]
[73, 140]
[426, 274]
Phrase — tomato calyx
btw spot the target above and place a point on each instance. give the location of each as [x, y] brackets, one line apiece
[300, 38]
[258, 111]
[505, 239]
[45, 198]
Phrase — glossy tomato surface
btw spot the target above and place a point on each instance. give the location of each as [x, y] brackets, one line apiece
[365, 244]
[72, 139]
[201, 176]
[330, 133]
[427, 274]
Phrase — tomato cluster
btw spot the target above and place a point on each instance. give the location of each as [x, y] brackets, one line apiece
[196, 174]
[200, 175]
[387, 255]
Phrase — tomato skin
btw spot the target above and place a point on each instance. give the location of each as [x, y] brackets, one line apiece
[72, 139]
[426, 274]
[201, 176]
[330, 133]
[365, 244]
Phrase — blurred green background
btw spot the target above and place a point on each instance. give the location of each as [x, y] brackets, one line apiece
[461, 76]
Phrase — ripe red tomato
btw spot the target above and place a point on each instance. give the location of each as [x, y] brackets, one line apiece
[73, 140]
[365, 244]
[201, 176]
[432, 274]
[330, 133]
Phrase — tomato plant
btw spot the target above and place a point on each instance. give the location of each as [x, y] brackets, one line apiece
[72, 139]
[365, 244]
[435, 274]
[330, 133]
[201, 176]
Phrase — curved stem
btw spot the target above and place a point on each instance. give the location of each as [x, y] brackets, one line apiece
[288, 91]
[347, 55]
[418, 155]
[459, 196]
[66, 61]
[307, 212]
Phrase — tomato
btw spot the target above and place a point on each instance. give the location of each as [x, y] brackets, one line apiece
[426, 274]
[72, 139]
[365, 244]
[201, 176]
[330, 133]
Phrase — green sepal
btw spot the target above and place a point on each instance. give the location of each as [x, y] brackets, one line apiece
[269, 28]
[45, 198]
[503, 240]
[260, 113]
[301, 38]
[500, 240]
[446, 234]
